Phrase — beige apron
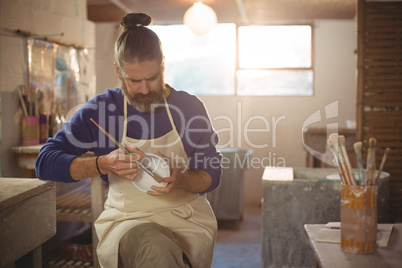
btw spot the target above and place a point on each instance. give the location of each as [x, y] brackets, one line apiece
[188, 215]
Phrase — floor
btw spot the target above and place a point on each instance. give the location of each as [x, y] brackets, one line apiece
[240, 246]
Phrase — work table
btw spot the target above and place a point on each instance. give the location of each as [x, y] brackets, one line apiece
[27, 219]
[330, 254]
[79, 202]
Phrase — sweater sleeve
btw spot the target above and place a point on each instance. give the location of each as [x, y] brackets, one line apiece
[73, 140]
[205, 155]
[199, 138]
[54, 159]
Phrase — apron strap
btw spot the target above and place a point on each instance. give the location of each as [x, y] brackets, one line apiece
[125, 120]
[169, 113]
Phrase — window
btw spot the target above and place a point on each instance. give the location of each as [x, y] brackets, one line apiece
[202, 65]
[275, 60]
[269, 60]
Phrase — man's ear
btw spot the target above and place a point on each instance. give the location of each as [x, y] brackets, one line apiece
[117, 70]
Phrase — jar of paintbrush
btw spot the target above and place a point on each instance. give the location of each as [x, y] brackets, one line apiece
[358, 196]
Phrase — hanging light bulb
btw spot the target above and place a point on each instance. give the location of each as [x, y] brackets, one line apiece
[200, 18]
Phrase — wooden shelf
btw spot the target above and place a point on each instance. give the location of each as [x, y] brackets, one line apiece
[65, 263]
[379, 98]
[75, 205]
[81, 204]
[57, 260]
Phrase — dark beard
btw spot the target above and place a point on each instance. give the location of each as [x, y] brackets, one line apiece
[143, 103]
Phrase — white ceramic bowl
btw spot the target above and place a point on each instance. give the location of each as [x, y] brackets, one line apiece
[158, 165]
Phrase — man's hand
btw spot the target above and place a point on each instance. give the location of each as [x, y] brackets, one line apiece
[196, 181]
[171, 181]
[121, 164]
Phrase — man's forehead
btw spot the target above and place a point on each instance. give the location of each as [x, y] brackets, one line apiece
[140, 76]
[142, 70]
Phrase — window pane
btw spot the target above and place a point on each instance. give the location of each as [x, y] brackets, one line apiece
[262, 82]
[203, 65]
[275, 46]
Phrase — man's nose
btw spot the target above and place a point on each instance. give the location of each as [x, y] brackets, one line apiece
[145, 87]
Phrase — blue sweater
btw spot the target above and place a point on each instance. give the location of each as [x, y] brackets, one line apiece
[80, 135]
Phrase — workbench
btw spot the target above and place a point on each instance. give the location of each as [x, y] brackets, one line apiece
[76, 202]
[330, 255]
[27, 220]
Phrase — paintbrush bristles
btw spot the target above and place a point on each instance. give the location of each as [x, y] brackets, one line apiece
[333, 139]
[369, 177]
[358, 150]
[333, 143]
[358, 146]
[370, 165]
[331, 146]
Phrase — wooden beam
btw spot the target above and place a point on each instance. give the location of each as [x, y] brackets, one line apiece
[105, 13]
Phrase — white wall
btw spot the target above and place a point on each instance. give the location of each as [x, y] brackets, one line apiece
[280, 119]
[39, 17]
[106, 35]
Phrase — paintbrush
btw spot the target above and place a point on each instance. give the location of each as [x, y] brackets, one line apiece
[333, 146]
[156, 177]
[341, 142]
[333, 139]
[370, 165]
[23, 105]
[358, 149]
[384, 158]
[335, 161]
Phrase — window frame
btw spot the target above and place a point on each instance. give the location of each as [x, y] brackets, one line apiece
[238, 68]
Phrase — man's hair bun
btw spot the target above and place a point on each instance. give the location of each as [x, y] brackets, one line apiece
[135, 19]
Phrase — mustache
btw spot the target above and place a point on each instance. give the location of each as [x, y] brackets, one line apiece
[150, 95]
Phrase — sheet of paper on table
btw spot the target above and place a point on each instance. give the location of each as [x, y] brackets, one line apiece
[278, 174]
[331, 233]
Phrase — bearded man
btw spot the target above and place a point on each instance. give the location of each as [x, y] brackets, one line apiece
[170, 224]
